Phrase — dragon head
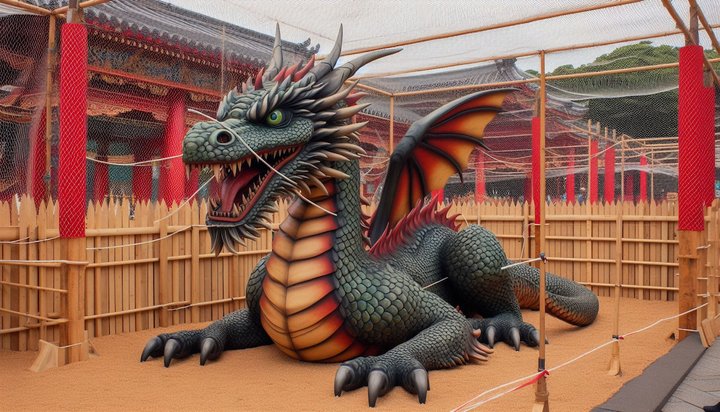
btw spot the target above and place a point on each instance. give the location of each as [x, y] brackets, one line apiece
[274, 137]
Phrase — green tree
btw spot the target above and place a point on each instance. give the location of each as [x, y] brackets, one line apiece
[640, 113]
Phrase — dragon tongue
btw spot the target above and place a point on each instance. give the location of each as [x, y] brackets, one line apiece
[233, 184]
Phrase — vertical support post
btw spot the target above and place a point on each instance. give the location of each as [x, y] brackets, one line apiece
[652, 176]
[570, 178]
[615, 355]
[71, 196]
[643, 179]
[541, 392]
[480, 178]
[629, 191]
[391, 149]
[691, 220]
[172, 179]
[610, 175]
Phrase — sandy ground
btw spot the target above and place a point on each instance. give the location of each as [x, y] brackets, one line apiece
[265, 379]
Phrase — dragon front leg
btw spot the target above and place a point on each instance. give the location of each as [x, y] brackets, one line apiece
[238, 330]
[449, 340]
[473, 261]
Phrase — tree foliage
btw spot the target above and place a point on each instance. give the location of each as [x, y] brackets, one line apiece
[641, 112]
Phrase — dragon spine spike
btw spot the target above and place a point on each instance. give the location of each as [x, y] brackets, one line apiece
[280, 76]
[333, 99]
[258, 79]
[352, 99]
[290, 72]
[299, 75]
[350, 111]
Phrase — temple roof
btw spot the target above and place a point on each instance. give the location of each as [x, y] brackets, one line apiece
[410, 108]
[161, 22]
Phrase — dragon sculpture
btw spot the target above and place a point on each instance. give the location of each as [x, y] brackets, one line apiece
[335, 288]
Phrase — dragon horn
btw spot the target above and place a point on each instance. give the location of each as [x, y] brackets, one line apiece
[326, 66]
[276, 62]
[335, 79]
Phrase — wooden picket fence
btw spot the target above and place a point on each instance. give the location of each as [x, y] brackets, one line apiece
[150, 265]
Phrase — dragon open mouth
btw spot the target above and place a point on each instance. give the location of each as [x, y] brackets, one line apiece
[242, 181]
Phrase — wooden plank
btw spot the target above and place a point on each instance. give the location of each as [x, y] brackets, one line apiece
[196, 277]
[164, 275]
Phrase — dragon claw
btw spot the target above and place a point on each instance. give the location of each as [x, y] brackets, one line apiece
[420, 383]
[490, 332]
[378, 385]
[153, 348]
[209, 350]
[535, 338]
[345, 374]
[172, 348]
[515, 338]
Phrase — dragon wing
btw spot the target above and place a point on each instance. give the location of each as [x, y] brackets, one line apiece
[433, 149]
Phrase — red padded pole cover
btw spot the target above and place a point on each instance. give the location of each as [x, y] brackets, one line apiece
[73, 130]
[690, 193]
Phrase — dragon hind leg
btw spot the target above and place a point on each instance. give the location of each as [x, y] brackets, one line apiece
[472, 261]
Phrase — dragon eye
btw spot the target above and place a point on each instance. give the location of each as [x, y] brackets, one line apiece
[275, 117]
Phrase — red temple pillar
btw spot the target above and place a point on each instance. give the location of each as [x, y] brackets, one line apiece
[570, 178]
[610, 175]
[480, 178]
[593, 178]
[36, 183]
[643, 179]
[142, 174]
[439, 193]
[629, 187]
[172, 176]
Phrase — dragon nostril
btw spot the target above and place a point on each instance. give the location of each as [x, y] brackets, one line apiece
[224, 137]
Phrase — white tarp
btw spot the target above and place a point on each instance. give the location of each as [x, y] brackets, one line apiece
[372, 23]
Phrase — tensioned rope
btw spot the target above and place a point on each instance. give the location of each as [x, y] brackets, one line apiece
[467, 406]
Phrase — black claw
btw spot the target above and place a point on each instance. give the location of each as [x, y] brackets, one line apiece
[345, 374]
[421, 383]
[535, 337]
[153, 348]
[172, 348]
[490, 332]
[515, 338]
[208, 350]
[377, 385]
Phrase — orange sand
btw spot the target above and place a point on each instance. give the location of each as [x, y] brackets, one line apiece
[265, 379]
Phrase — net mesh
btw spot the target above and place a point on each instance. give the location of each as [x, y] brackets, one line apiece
[146, 76]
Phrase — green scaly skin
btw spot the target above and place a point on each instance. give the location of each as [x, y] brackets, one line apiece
[382, 296]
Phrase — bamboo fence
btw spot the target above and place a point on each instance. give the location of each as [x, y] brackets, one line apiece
[144, 272]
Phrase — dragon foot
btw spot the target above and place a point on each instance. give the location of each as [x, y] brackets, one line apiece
[380, 377]
[507, 328]
[181, 345]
